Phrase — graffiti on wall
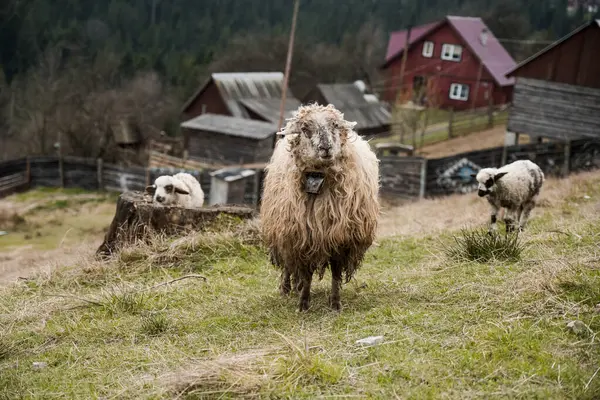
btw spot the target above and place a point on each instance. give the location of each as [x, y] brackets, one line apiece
[588, 158]
[455, 177]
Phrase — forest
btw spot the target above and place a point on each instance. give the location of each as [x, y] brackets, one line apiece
[70, 68]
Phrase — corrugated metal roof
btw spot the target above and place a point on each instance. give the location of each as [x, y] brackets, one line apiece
[231, 126]
[235, 86]
[494, 56]
[269, 108]
[347, 98]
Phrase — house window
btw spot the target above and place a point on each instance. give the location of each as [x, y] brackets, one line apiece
[427, 49]
[451, 52]
[458, 91]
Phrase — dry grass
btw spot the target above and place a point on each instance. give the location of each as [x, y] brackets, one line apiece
[434, 216]
[129, 329]
[48, 228]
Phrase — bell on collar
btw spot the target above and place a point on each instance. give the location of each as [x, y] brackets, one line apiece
[314, 182]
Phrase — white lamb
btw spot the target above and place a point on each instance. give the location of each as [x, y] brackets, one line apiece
[515, 187]
[180, 190]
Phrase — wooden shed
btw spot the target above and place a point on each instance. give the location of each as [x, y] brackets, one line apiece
[220, 139]
[228, 185]
[557, 91]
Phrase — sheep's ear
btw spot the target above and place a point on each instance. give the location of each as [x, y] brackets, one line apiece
[473, 175]
[181, 191]
[499, 175]
[151, 189]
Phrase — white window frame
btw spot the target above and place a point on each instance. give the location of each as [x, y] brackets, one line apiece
[428, 48]
[451, 52]
[459, 91]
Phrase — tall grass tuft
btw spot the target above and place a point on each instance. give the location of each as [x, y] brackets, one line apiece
[481, 246]
[154, 324]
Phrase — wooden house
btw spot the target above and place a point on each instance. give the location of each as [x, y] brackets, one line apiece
[250, 95]
[371, 116]
[224, 140]
[452, 63]
[557, 91]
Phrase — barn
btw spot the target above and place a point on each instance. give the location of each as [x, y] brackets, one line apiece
[557, 91]
[250, 95]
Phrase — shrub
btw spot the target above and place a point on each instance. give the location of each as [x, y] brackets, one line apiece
[481, 246]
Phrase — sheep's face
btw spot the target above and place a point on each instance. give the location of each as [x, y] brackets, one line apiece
[486, 179]
[320, 134]
[166, 190]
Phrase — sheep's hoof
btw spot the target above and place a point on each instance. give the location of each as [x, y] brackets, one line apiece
[304, 305]
[335, 304]
[285, 289]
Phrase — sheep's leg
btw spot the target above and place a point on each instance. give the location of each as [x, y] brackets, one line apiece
[286, 285]
[336, 283]
[509, 220]
[527, 208]
[307, 275]
[493, 218]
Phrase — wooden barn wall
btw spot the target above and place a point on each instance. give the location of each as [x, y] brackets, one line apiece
[215, 147]
[554, 110]
[401, 176]
[575, 61]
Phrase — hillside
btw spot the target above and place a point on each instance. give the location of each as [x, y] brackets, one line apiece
[452, 329]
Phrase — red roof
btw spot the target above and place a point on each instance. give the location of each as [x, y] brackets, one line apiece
[493, 55]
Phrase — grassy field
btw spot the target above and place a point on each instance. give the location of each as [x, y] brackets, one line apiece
[44, 226]
[451, 328]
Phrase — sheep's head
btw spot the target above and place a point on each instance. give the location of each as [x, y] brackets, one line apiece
[487, 178]
[166, 189]
[318, 135]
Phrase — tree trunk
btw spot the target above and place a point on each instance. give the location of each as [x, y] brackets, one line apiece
[136, 217]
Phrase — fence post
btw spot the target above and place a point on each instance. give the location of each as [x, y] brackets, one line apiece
[61, 171]
[147, 176]
[423, 131]
[256, 187]
[566, 165]
[450, 122]
[490, 112]
[423, 178]
[99, 173]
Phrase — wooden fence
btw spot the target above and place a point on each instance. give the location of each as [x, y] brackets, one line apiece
[401, 177]
[435, 126]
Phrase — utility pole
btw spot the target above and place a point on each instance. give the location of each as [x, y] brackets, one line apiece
[288, 64]
[404, 57]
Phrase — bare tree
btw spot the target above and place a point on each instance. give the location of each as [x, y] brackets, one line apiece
[83, 104]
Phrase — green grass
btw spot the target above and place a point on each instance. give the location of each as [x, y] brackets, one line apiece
[44, 219]
[481, 246]
[452, 328]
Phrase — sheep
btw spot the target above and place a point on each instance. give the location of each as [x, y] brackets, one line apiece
[182, 190]
[516, 187]
[320, 201]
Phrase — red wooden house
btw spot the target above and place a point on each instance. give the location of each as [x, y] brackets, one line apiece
[456, 62]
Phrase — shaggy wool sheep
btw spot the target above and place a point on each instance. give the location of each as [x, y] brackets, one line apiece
[182, 190]
[320, 203]
[515, 187]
